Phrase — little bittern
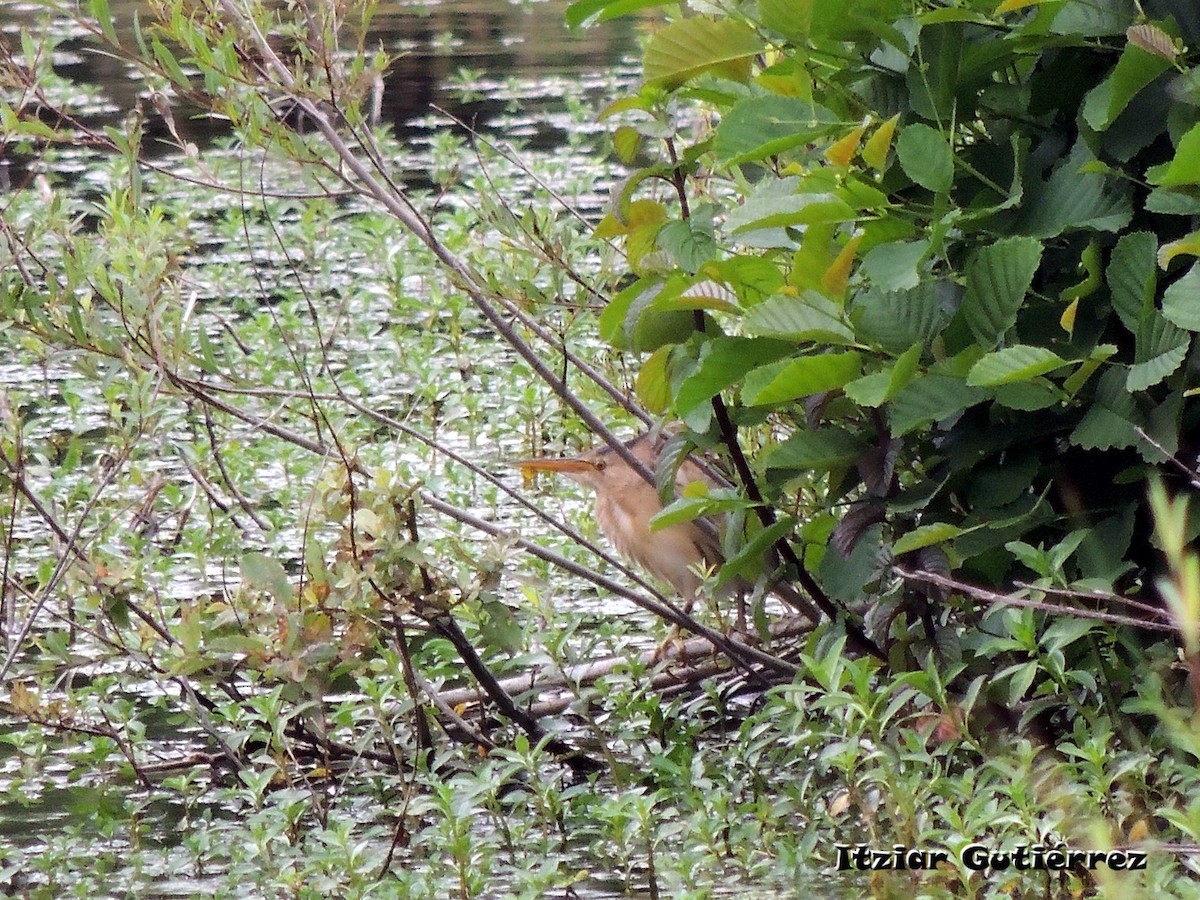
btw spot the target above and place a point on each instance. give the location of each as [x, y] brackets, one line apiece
[625, 504]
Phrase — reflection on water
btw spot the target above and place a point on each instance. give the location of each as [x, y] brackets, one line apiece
[461, 56]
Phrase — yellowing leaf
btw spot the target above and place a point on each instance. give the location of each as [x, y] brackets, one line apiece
[1068, 318]
[837, 276]
[875, 151]
[645, 212]
[1188, 245]
[842, 151]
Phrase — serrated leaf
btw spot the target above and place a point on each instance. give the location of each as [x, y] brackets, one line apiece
[926, 157]
[899, 319]
[925, 536]
[1072, 199]
[751, 277]
[998, 277]
[1184, 168]
[1093, 19]
[809, 317]
[756, 128]
[930, 399]
[1131, 276]
[1181, 301]
[1012, 364]
[767, 211]
[1111, 419]
[1153, 39]
[1160, 350]
[790, 18]
[689, 242]
[791, 379]
[722, 363]
[870, 390]
[1134, 71]
[818, 449]
[689, 47]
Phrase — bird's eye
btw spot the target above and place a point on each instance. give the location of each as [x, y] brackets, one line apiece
[600, 465]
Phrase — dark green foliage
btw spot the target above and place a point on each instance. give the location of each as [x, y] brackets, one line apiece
[981, 305]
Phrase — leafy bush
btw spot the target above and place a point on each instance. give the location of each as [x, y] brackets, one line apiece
[945, 253]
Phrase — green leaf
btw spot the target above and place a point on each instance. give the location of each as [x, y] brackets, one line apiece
[627, 141]
[1134, 70]
[870, 390]
[818, 449]
[997, 279]
[926, 157]
[790, 18]
[1088, 367]
[266, 573]
[585, 11]
[685, 509]
[751, 277]
[1028, 396]
[925, 536]
[767, 210]
[690, 47]
[1094, 18]
[1111, 420]
[1184, 169]
[748, 561]
[103, 15]
[1181, 301]
[1012, 364]
[690, 243]
[635, 319]
[723, 361]
[898, 319]
[930, 399]
[652, 387]
[170, 66]
[809, 317]
[1074, 199]
[875, 389]
[1132, 277]
[755, 128]
[934, 77]
[1159, 350]
[893, 266]
[791, 379]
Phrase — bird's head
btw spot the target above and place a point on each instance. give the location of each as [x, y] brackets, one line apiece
[600, 469]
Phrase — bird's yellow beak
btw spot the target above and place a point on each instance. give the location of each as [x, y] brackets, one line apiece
[567, 465]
